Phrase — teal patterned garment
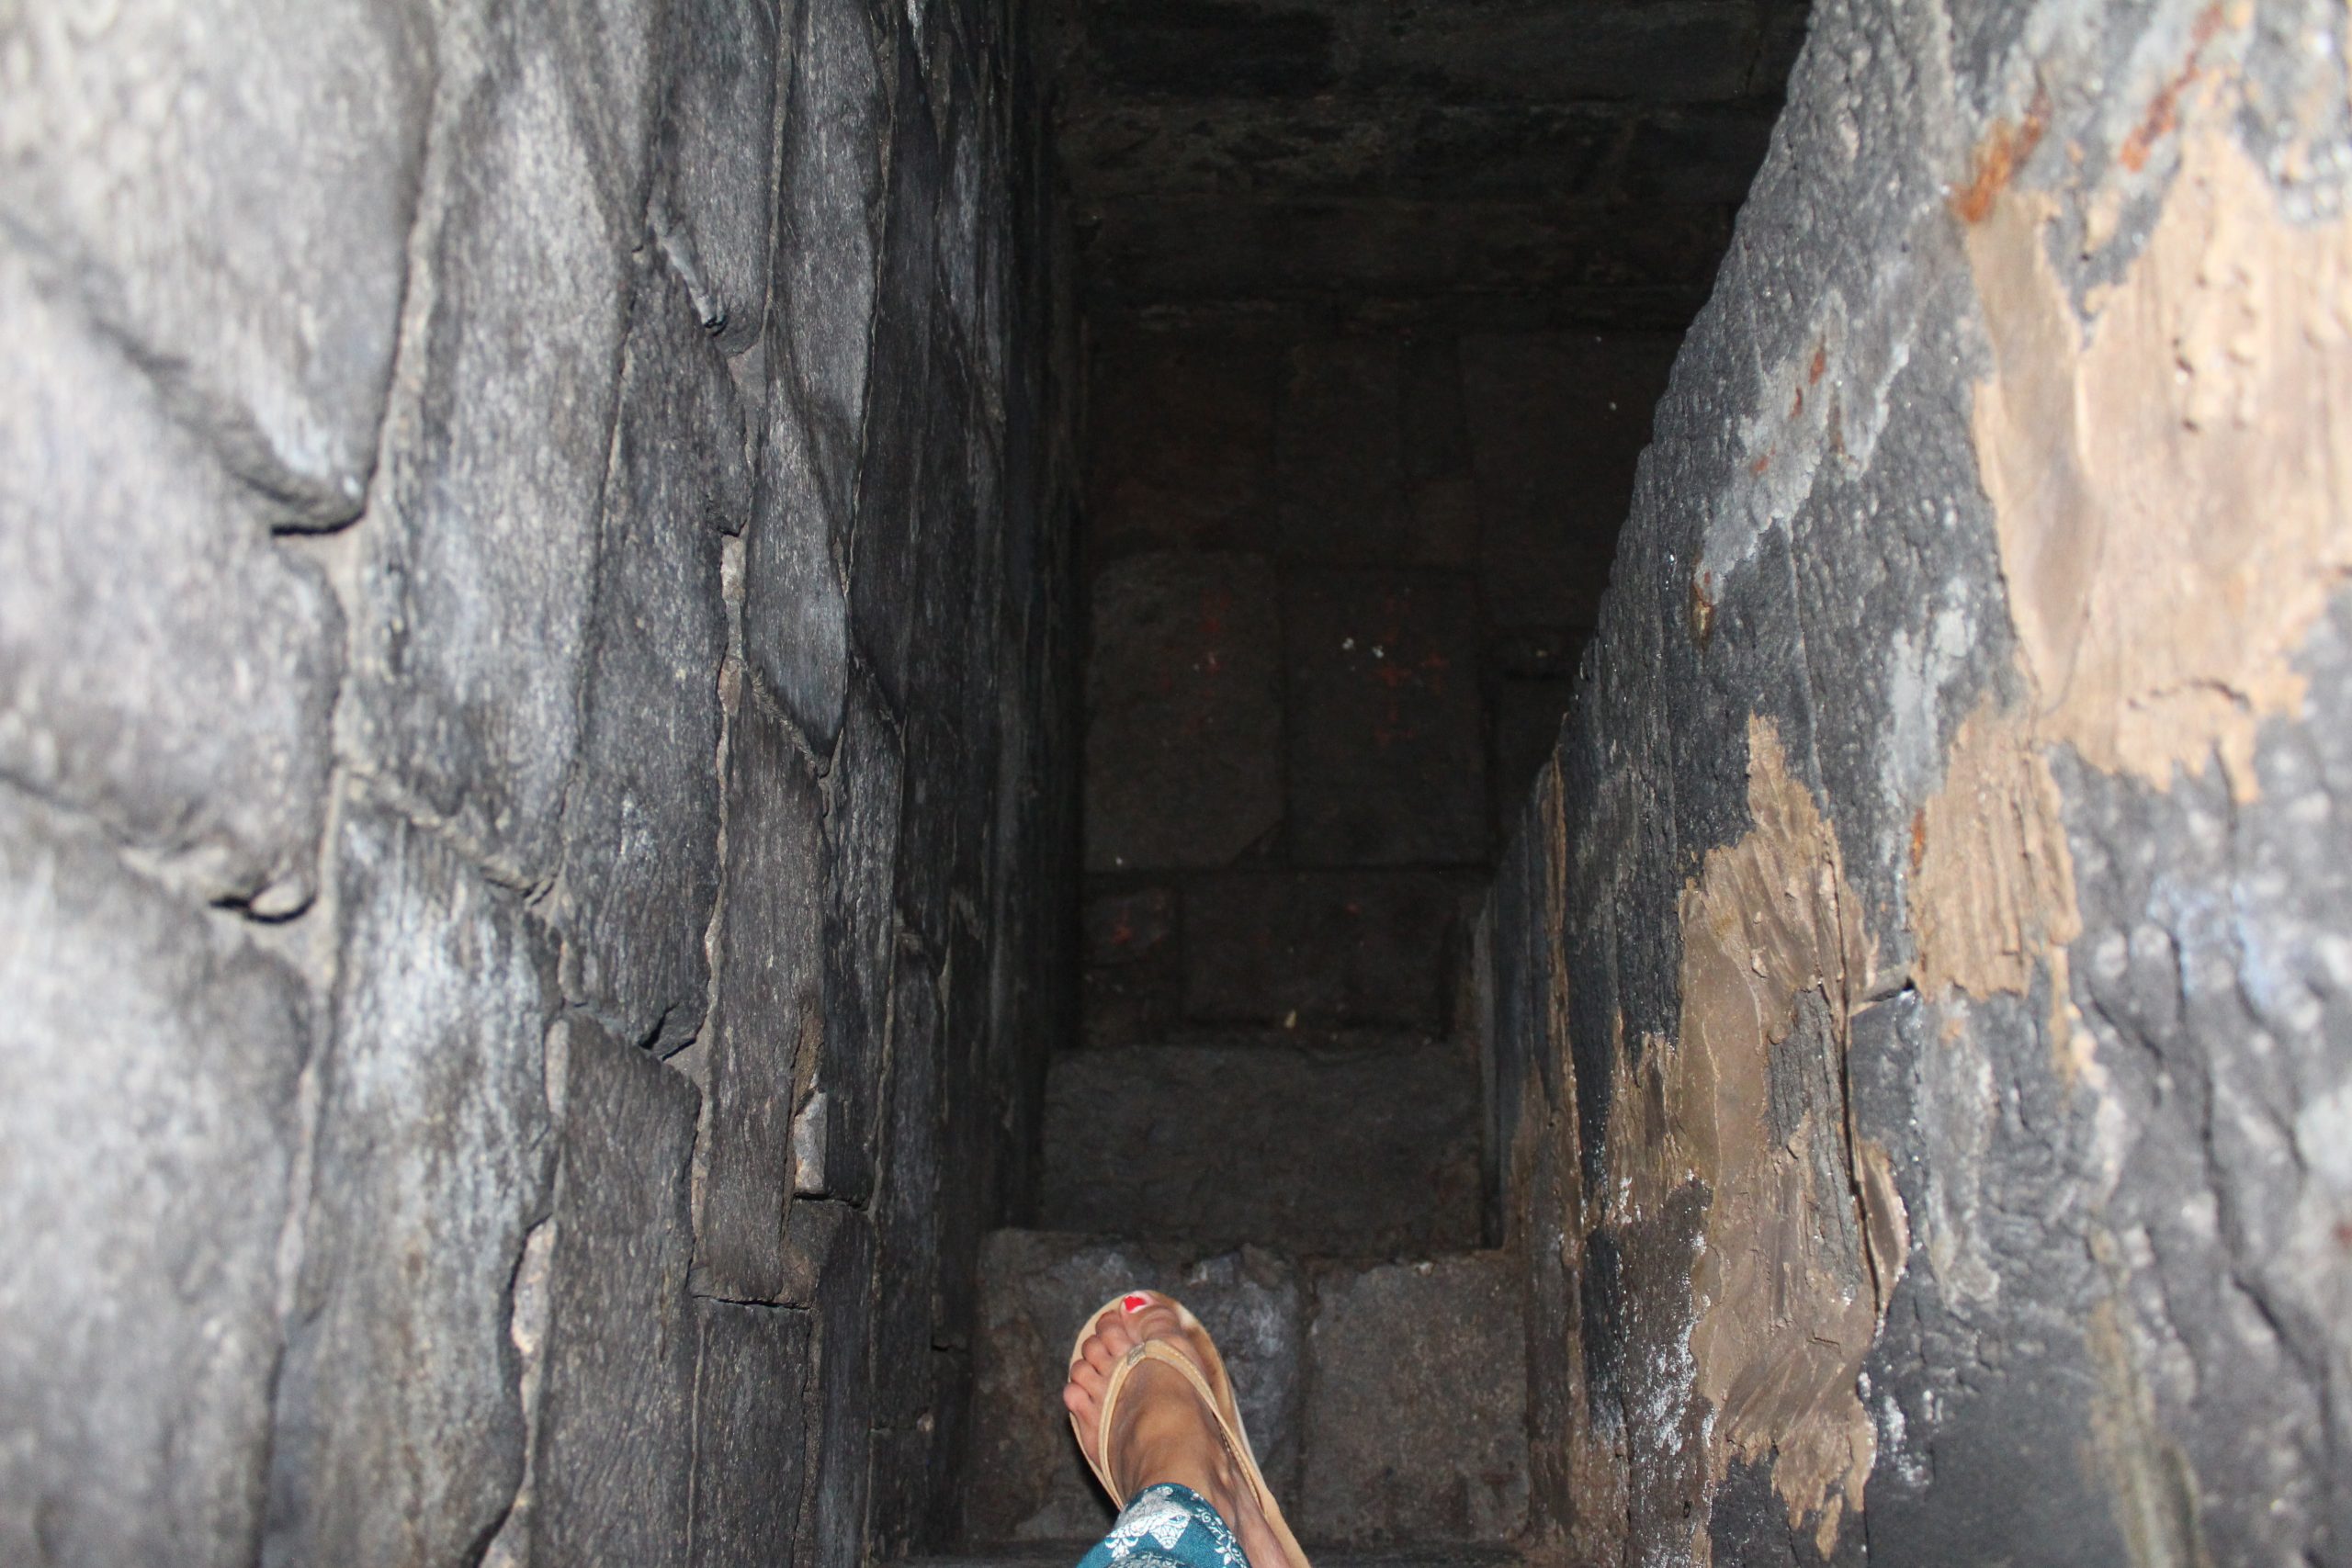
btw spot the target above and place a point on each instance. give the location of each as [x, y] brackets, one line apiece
[1166, 1526]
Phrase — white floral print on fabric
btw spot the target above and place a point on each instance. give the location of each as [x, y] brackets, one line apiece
[1153, 1514]
[1167, 1527]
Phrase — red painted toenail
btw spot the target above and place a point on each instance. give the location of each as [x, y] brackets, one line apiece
[1133, 1304]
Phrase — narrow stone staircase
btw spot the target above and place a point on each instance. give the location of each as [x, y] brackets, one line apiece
[1320, 1208]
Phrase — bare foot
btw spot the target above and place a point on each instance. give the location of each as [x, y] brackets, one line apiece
[1161, 1431]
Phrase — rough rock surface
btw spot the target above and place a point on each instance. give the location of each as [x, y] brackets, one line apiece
[613, 1468]
[766, 1020]
[438, 459]
[1184, 766]
[1416, 1413]
[751, 1433]
[496, 459]
[641, 825]
[1028, 1481]
[230, 193]
[400, 1428]
[148, 1066]
[184, 706]
[1234, 1142]
[1912, 971]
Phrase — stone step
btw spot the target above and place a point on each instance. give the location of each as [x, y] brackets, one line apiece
[1357, 1151]
[1386, 1400]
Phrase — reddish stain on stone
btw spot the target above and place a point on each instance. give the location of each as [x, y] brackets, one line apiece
[2163, 109]
[1998, 159]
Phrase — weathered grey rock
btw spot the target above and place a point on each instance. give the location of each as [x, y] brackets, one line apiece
[230, 191]
[148, 1064]
[832, 1532]
[1386, 727]
[1027, 1480]
[399, 1434]
[751, 1442]
[829, 231]
[1415, 1421]
[1348, 1153]
[1184, 764]
[899, 478]
[614, 1463]
[718, 158]
[1348, 948]
[912, 1462]
[907, 1205]
[475, 585]
[796, 610]
[860, 860]
[641, 826]
[184, 703]
[768, 1020]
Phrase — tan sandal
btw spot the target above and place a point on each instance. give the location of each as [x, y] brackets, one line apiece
[1216, 1391]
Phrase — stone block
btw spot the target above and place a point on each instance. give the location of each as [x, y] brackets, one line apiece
[1026, 1480]
[147, 1070]
[1130, 1004]
[828, 228]
[1184, 712]
[1387, 735]
[230, 189]
[839, 1401]
[842, 1120]
[1525, 50]
[614, 1443]
[641, 827]
[185, 704]
[796, 609]
[718, 162]
[1220, 48]
[750, 1434]
[1132, 988]
[475, 582]
[1556, 421]
[898, 472]
[1339, 454]
[1416, 1416]
[907, 1203]
[1351, 1153]
[1365, 948]
[1180, 435]
[1189, 248]
[768, 1015]
[399, 1429]
[1128, 927]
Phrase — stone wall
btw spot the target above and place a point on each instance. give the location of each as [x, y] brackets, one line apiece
[533, 606]
[1338, 578]
[1919, 985]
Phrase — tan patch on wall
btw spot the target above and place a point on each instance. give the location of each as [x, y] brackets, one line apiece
[1804, 1233]
[2171, 484]
[1992, 885]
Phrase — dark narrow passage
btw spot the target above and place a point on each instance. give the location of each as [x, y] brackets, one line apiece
[1377, 302]
[709, 708]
